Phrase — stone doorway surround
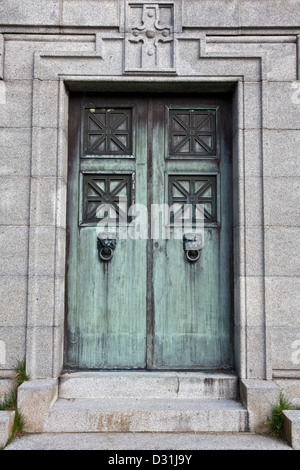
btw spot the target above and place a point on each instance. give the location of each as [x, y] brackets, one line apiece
[232, 64]
[54, 76]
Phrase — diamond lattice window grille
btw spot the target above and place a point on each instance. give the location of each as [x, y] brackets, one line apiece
[192, 133]
[196, 194]
[106, 196]
[108, 131]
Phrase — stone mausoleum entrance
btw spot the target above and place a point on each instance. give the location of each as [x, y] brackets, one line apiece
[149, 279]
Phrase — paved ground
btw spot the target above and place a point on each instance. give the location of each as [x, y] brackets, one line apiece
[147, 441]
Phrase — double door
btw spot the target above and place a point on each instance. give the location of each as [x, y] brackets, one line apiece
[149, 232]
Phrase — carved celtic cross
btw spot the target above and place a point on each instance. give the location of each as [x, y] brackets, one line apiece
[150, 37]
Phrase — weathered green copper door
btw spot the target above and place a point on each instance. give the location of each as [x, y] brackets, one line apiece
[149, 232]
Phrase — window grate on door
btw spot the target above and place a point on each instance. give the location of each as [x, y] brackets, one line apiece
[106, 196]
[108, 131]
[193, 197]
[192, 133]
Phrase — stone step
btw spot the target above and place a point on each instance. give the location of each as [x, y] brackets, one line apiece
[149, 441]
[153, 385]
[155, 415]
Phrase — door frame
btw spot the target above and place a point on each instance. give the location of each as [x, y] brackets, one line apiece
[44, 346]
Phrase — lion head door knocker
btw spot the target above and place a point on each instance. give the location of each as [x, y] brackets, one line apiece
[106, 244]
[192, 245]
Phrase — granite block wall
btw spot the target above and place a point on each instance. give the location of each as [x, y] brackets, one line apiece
[250, 48]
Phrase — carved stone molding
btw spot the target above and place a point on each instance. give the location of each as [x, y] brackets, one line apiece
[149, 38]
[1, 55]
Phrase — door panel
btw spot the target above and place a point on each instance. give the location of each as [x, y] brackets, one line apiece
[149, 307]
[192, 301]
[106, 324]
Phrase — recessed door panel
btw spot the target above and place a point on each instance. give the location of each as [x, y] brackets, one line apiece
[106, 297]
[152, 288]
[192, 299]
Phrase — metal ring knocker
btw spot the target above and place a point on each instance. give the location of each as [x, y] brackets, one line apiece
[106, 254]
[192, 245]
[193, 255]
[106, 244]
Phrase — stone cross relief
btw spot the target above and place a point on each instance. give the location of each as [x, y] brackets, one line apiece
[149, 41]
